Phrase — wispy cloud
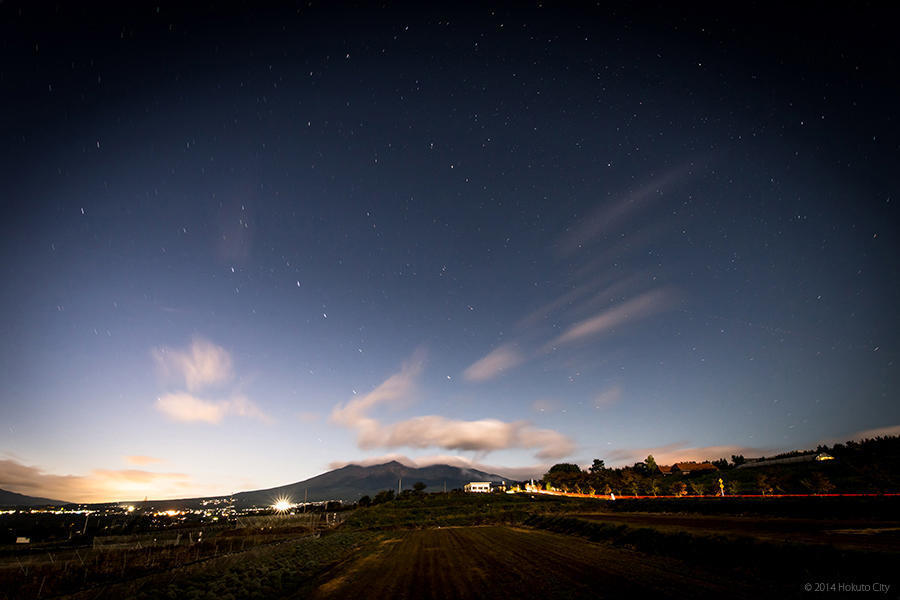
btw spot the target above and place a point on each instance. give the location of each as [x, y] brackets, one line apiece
[100, 485]
[482, 435]
[608, 397]
[639, 307]
[395, 389]
[242, 406]
[496, 362]
[309, 416]
[182, 406]
[613, 214]
[143, 460]
[202, 365]
[563, 301]
[545, 405]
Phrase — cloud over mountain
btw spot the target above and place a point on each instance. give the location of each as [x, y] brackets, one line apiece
[435, 431]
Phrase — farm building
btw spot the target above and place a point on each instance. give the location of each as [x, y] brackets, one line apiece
[478, 487]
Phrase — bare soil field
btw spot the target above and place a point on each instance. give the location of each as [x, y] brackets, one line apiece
[846, 534]
[498, 561]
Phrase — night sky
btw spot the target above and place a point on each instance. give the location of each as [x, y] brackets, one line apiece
[243, 246]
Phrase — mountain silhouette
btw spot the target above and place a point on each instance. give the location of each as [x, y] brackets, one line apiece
[354, 481]
[8, 498]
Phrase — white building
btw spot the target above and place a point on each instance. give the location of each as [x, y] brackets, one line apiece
[478, 487]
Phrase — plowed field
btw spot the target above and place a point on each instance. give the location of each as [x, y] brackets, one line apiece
[478, 562]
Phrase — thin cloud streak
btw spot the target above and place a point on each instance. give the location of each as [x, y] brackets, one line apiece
[483, 435]
[639, 307]
[609, 215]
[566, 299]
[395, 389]
[496, 362]
[608, 397]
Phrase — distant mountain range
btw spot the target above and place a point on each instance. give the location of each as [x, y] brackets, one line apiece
[14, 499]
[353, 481]
[348, 483]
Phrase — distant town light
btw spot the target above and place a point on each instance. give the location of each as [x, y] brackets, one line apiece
[282, 504]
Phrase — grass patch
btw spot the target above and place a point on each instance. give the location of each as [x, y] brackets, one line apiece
[442, 510]
[265, 572]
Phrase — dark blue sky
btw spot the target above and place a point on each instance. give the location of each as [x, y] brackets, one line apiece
[505, 236]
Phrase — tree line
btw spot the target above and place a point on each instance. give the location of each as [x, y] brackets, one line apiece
[869, 465]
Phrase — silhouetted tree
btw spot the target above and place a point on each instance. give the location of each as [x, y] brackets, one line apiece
[364, 501]
[631, 481]
[817, 484]
[597, 466]
[652, 469]
[419, 486]
[565, 476]
[564, 468]
[383, 496]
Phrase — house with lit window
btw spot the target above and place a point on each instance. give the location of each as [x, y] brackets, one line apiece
[751, 463]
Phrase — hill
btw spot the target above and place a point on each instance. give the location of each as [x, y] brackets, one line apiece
[8, 498]
[353, 481]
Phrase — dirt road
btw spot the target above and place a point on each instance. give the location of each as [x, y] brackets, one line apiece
[480, 562]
